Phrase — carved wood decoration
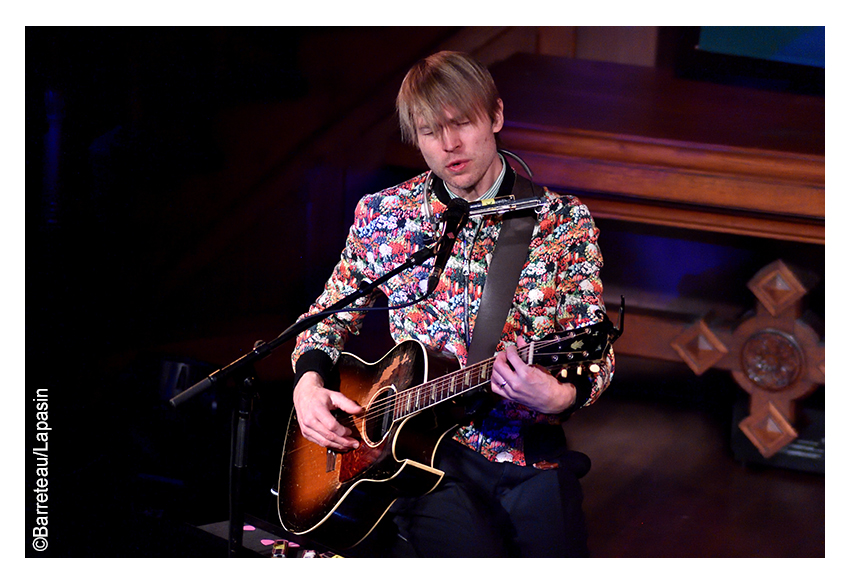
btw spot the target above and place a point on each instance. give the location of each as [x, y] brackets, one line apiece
[774, 355]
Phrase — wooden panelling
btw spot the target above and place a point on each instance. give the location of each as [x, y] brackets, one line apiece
[646, 147]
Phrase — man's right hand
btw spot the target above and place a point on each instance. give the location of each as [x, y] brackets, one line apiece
[315, 405]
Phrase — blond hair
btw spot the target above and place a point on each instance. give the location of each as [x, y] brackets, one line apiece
[447, 80]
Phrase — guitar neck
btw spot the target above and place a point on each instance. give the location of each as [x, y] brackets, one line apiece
[429, 394]
[573, 348]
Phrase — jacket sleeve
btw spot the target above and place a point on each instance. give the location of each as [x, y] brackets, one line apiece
[317, 348]
[580, 291]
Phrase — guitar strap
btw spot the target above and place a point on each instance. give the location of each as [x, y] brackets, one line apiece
[509, 257]
[544, 445]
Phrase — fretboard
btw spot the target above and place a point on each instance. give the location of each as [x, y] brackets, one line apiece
[431, 393]
[571, 349]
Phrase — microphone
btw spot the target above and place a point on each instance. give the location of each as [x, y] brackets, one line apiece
[455, 217]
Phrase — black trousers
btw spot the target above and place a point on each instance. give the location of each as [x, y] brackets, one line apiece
[490, 509]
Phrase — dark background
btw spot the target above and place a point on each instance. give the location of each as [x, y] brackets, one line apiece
[178, 209]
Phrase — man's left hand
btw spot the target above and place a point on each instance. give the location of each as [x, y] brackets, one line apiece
[530, 385]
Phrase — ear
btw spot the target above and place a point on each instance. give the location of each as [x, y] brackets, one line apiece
[499, 117]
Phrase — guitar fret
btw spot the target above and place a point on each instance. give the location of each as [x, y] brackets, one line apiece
[416, 399]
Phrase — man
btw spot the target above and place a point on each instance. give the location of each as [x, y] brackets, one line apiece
[511, 487]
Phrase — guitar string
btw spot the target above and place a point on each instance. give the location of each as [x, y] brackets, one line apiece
[389, 402]
[438, 386]
[434, 388]
[381, 406]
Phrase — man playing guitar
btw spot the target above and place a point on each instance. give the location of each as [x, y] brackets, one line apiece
[509, 486]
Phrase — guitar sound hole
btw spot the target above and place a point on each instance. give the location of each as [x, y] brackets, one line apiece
[379, 416]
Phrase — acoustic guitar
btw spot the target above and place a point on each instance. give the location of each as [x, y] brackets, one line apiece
[412, 399]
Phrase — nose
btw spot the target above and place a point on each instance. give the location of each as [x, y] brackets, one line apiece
[450, 139]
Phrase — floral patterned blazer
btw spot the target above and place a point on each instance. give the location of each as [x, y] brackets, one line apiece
[559, 288]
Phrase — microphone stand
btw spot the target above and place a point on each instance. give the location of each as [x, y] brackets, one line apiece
[244, 366]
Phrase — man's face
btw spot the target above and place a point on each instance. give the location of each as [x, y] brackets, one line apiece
[462, 152]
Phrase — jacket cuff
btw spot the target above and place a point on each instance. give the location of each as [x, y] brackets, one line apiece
[584, 388]
[314, 360]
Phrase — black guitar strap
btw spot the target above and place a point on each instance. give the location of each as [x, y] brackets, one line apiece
[541, 442]
[509, 257]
